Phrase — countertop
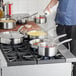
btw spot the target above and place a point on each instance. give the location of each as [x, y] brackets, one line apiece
[34, 27]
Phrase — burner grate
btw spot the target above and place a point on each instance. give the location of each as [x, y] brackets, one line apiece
[23, 54]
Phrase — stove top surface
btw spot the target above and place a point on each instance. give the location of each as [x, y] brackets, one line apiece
[23, 54]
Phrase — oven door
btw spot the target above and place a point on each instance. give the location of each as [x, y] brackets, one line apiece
[56, 69]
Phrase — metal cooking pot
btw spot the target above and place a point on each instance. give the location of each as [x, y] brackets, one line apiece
[34, 34]
[49, 50]
[34, 42]
[22, 21]
[11, 37]
[7, 24]
[25, 19]
[41, 19]
[31, 36]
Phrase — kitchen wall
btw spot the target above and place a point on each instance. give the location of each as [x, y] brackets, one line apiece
[28, 6]
[32, 6]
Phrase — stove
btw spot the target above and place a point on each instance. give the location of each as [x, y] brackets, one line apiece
[24, 54]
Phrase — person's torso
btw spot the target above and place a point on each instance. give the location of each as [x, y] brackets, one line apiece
[66, 12]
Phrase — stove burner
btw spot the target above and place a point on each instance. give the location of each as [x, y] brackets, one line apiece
[23, 49]
[7, 50]
[45, 58]
[57, 56]
[27, 57]
[12, 57]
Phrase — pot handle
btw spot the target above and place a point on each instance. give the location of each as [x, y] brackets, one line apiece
[60, 36]
[19, 29]
[67, 40]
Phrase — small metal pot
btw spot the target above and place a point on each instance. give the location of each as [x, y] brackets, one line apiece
[7, 24]
[41, 19]
[11, 37]
[22, 21]
[25, 19]
[51, 50]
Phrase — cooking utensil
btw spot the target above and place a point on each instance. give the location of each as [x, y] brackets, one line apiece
[22, 21]
[51, 49]
[30, 15]
[11, 36]
[34, 43]
[54, 39]
[25, 19]
[7, 24]
[41, 19]
[58, 37]
[33, 34]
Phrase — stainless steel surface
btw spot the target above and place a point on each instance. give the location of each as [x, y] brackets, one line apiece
[34, 43]
[19, 18]
[22, 21]
[45, 50]
[58, 37]
[67, 54]
[6, 10]
[30, 15]
[7, 24]
[7, 37]
[41, 19]
[61, 69]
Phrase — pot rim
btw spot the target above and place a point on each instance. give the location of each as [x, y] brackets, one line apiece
[40, 17]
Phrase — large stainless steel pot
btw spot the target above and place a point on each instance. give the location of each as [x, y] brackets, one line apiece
[7, 24]
[11, 37]
[49, 50]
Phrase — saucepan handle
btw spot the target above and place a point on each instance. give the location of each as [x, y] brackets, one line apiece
[60, 36]
[67, 40]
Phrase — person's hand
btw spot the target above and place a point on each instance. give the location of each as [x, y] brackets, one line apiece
[47, 9]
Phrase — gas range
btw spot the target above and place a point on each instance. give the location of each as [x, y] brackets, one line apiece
[24, 54]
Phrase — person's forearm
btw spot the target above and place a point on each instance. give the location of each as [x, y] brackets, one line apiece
[53, 3]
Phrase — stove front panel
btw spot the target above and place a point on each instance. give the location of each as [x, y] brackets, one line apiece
[57, 69]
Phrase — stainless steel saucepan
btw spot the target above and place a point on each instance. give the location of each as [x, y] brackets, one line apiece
[11, 36]
[40, 19]
[49, 50]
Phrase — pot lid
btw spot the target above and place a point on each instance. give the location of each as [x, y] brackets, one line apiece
[11, 34]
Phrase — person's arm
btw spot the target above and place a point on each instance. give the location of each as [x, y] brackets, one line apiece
[51, 4]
